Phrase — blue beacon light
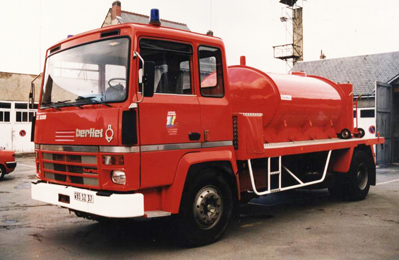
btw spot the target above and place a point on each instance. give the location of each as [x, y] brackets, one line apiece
[154, 18]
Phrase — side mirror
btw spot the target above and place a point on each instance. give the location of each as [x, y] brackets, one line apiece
[32, 95]
[32, 92]
[148, 79]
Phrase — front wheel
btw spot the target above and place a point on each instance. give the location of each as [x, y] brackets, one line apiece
[206, 209]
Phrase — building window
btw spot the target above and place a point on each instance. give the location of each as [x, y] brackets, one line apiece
[172, 65]
[369, 113]
[23, 116]
[21, 105]
[211, 71]
[4, 116]
[5, 105]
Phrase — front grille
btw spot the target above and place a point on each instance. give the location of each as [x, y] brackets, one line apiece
[77, 169]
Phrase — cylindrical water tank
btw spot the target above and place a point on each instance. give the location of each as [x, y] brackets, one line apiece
[294, 107]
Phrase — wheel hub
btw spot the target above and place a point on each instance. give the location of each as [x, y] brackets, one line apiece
[208, 207]
[362, 176]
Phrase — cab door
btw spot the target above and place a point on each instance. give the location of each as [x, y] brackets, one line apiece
[216, 117]
[170, 120]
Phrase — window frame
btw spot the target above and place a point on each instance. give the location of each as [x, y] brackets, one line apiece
[191, 61]
[3, 112]
[128, 67]
[364, 113]
[217, 78]
[6, 109]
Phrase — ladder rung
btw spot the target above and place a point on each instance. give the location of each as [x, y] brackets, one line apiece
[274, 173]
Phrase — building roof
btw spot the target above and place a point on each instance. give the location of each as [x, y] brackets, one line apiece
[129, 17]
[362, 71]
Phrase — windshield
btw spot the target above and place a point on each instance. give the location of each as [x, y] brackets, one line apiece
[91, 73]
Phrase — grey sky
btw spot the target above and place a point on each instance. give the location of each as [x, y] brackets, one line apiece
[338, 27]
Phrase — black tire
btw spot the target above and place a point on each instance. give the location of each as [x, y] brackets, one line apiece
[206, 209]
[335, 189]
[2, 172]
[355, 184]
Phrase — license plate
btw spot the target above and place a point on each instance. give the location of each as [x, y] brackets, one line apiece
[84, 197]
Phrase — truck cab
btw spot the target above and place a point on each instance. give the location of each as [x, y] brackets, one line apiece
[121, 108]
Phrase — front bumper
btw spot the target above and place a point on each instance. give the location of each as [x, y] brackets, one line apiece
[11, 165]
[112, 206]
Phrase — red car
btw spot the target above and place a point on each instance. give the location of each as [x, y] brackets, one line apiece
[7, 162]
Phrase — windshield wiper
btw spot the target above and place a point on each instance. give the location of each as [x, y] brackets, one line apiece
[49, 105]
[54, 105]
[62, 101]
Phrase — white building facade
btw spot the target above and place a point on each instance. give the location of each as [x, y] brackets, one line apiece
[15, 114]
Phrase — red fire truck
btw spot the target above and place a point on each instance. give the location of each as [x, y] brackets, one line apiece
[148, 121]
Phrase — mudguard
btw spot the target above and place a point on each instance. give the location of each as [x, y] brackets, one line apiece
[171, 196]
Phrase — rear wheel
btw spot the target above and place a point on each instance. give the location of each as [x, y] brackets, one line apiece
[2, 172]
[355, 184]
[206, 209]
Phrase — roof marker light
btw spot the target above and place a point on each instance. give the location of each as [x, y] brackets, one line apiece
[154, 18]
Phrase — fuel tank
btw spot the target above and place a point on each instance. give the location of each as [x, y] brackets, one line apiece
[294, 107]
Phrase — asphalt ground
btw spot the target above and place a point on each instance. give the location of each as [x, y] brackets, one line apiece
[302, 224]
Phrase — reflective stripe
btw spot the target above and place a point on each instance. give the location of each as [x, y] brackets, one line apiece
[164, 147]
[216, 144]
[133, 149]
[69, 148]
[119, 149]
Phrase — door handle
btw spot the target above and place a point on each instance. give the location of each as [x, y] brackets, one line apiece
[194, 136]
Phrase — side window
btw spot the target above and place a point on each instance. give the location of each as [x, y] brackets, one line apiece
[5, 112]
[172, 65]
[115, 82]
[211, 71]
[367, 113]
[4, 116]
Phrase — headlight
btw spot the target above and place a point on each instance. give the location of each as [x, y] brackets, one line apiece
[118, 177]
